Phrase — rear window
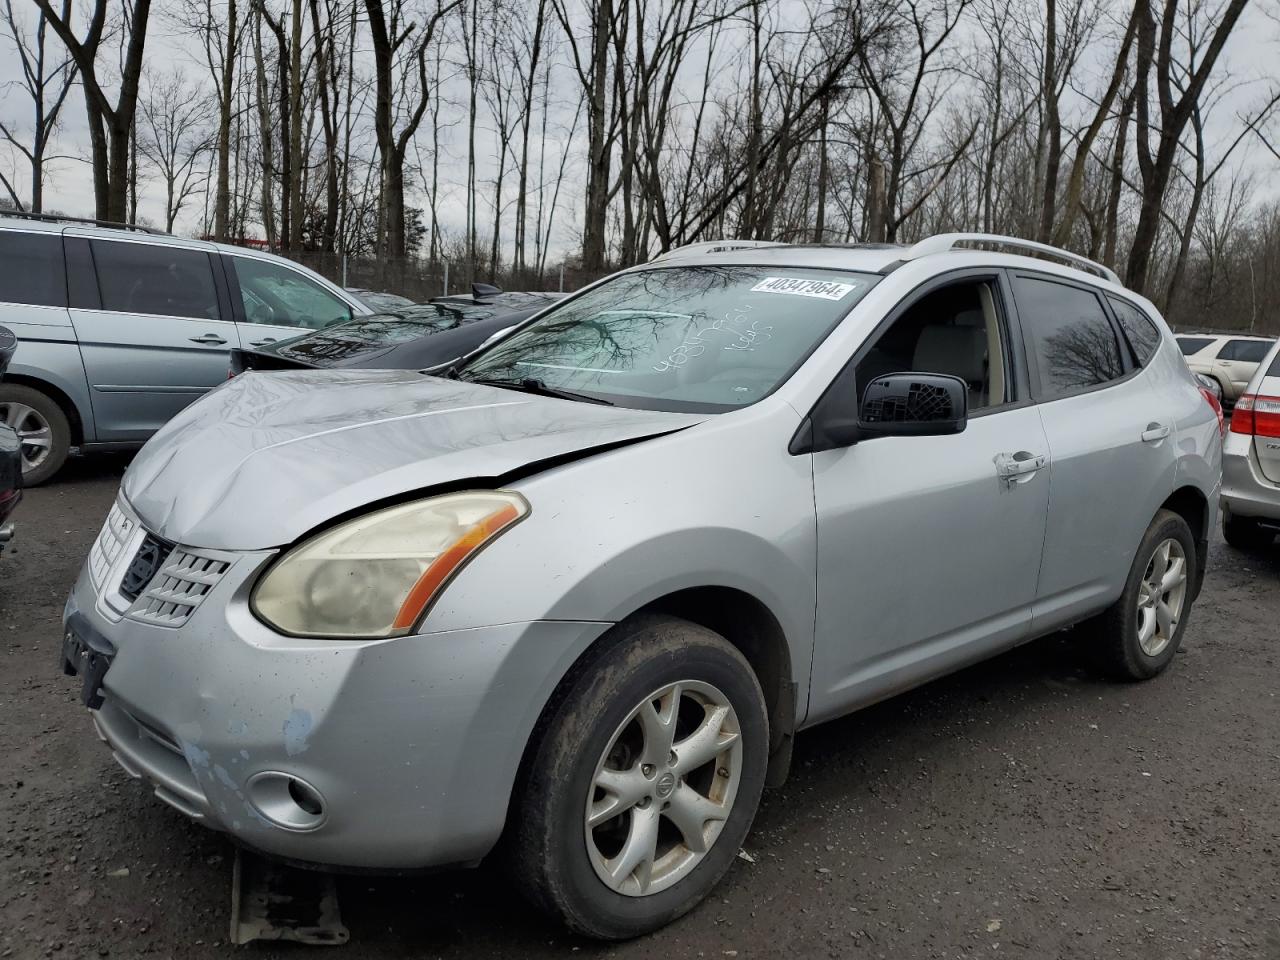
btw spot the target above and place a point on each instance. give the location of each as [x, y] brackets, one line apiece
[31, 270]
[155, 279]
[1143, 335]
[1275, 367]
[1192, 345]
[1246, 351]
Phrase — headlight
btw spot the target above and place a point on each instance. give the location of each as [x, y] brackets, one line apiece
[376, 575]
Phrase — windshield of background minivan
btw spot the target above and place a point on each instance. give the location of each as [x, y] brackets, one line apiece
[687, 339]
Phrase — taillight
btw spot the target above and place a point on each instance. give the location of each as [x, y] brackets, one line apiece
[1257, 416]
[1217, 408]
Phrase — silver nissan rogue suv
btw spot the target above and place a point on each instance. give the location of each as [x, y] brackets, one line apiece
[581, 589]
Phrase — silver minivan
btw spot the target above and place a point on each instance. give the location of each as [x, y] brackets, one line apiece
[580, 592]
[120, 328]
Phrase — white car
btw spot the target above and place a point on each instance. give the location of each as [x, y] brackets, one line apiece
[1231, 361]
[1251, 461]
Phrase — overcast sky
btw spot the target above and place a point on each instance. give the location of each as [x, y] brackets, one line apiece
[1252, 58]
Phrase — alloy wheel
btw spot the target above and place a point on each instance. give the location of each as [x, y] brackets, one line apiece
[664, 788]
[1161, 596]
[33, 430]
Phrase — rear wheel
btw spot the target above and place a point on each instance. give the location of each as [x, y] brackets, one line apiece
[42, 428]
[1245, 533]
[1139, 635]
[644, 783]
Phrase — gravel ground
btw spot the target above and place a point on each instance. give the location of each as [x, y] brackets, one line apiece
[1023, 807]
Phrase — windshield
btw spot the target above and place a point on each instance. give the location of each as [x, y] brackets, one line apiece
[685, 339]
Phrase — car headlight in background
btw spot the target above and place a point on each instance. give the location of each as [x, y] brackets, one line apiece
[376, 575]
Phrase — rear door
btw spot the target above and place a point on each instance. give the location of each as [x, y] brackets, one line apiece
[154, 329]
[1111, 439]
[274, 301]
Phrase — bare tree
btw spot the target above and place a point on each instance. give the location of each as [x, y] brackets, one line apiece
[46, 80]
[174, 138]
[110, 125]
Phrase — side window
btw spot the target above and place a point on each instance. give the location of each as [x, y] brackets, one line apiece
[1068, 335]
[1192, 345]
[31, 270]
[954, 330]
[281, 297]
[156, 279]
[1248, 351]
[1144, 336]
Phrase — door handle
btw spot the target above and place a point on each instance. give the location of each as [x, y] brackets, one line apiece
[1018, 467]
[210, 338]
[1155, 432]
[263, 342]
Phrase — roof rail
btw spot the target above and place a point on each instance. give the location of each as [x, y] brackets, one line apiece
[60, 218]
[715, 246]
[949, 241]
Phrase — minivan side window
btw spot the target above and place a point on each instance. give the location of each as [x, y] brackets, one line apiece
[31, 270]
[1068, 335]
[1144, 336]
[1247, 351]
[155, 279]
[275, 295]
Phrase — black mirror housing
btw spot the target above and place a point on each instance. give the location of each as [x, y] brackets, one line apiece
[913, 405]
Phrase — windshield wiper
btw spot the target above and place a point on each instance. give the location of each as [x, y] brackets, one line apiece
[534, 385]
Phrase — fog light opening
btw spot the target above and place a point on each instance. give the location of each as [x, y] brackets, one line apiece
[305, 796]
[287, 801]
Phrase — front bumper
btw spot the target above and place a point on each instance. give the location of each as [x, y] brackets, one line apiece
[413, 744]
[1245, 491]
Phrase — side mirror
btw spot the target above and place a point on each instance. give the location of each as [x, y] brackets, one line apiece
[913, 405]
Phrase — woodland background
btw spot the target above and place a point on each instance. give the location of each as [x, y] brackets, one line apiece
[526, 141]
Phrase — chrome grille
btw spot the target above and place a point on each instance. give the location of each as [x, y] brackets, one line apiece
[111, 540]
[179, 587]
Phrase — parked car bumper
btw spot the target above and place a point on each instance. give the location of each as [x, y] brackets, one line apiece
[411, 745]
[1245, 491]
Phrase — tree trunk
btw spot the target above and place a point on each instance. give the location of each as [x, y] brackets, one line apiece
[222, 187]
[598, 166]
[295, 132]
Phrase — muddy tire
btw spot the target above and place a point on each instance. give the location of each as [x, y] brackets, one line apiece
[645, 777]
[1137, 637]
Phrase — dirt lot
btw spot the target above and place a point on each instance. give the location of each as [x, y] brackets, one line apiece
[1022, 808]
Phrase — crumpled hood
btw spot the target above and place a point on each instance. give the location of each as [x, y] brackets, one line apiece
[269, 456]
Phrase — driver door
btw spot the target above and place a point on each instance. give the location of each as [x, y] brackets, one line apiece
[928, 557]
[276, 301]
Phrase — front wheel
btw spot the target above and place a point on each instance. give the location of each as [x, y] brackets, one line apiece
[644, 782]
[42, 429]
[1139, 634]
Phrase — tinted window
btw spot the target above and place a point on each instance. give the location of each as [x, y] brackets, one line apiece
[1248, 351]
[1192, 345]
[152, 278]
[1068, 333]
[704, 338]
[281, 297]
[1144, 336]
[31, 269]
[1275, 367]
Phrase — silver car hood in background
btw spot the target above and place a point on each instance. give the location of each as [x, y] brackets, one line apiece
[269, 456]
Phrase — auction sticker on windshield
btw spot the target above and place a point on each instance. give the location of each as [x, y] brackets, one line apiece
[825, 289]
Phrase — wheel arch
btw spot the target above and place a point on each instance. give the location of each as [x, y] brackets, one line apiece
[1192, 505]
[738, 616]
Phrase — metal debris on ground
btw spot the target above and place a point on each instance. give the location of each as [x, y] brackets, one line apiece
[271, 901]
